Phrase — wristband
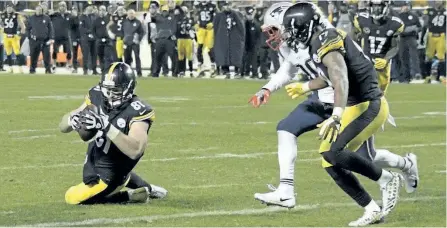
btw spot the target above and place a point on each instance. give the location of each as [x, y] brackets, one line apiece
[306, 87]
[338, 112]
[111, 132]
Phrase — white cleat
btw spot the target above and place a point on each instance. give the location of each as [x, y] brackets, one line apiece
[157, 192]
[390, 194]
[276, 198]
[139, 195]
[368, 218]
[411, 176]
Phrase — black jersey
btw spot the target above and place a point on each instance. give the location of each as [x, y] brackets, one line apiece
[206, 14]
[184, 26]
[376, 39]
[362, 76]
[10, 22]
[436, 20]
[105, 160]
[118, 24]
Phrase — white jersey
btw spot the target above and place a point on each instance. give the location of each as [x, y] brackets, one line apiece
[294, 63]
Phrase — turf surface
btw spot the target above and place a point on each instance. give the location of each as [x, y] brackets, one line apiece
[211, 150]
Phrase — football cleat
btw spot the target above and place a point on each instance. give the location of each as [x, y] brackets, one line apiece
[157, 192]
[276, 198]
[390, 194]
[369, 217]
[139, 195]
[411, 175]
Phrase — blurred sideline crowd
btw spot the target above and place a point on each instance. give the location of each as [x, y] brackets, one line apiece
[182, 34]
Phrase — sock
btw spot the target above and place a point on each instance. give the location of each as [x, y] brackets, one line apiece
[200, 54]
[182, 65]
[211, 54]
[372, 206]
[190, 66]
[386, 159]
[287, 152]
[350, 185]
[384, 178]
[441, 68]
[137, 182]
[9, 60]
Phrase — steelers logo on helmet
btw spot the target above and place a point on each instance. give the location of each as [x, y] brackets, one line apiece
[117, 85]
[300, 21]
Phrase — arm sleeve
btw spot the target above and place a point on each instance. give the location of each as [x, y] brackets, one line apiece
[285, 73]
[51, 30]
[141, 31]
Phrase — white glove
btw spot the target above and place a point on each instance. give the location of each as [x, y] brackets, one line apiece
[330, 128]
[75, 43]
[192, 34]
[111, 34]
[94, 121]
[49, 42]
[73, 121]
[90, 36]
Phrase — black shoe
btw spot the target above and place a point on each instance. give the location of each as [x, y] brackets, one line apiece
[85, 73]
[32, 72]
[48, 72]
[1, 69]
[95, 72]
[74, 71]
[181, 74]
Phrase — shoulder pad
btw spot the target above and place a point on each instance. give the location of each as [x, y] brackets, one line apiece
[139, 110]
[94, 96]
[330, 40]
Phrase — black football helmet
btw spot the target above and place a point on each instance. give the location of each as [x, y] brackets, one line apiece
[117, 85]
[299, 22]
[379, 8]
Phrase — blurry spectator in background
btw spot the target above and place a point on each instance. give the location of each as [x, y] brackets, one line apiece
[185, 34]
[343, 18]
[133, 33]
[229, 32]
[206, 11]
[252, 39]
[74, 37]
[1, 50]
[408, 53]
[104, 45]
[267, 57]
[61, 24]
[115, 28]
[435, 19]
[13, 26]
[41, 36]
[88, 42]
[165, 41]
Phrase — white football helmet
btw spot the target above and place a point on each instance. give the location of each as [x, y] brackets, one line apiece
[273, 23]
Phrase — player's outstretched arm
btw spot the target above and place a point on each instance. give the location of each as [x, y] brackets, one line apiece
[133, 144]
[338, 75]
[71, 119]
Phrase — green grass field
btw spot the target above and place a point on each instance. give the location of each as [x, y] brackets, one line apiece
[211, 150]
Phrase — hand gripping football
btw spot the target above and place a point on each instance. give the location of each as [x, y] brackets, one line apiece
[87, 134]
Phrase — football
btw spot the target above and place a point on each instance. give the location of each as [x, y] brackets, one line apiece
[84, 133]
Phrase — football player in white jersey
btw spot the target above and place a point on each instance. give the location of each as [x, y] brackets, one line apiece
[306, 116]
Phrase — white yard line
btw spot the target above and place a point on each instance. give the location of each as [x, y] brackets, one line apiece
[33, 137]
[216, 156]
[441, 171]
[251, 211]
[6, 212]
[31, 130]
[206, 186]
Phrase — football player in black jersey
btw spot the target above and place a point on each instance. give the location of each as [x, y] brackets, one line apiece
[359, 106]
[123, 122]
[115, 30]
[205, 33]
[379, 35]
[11, 21]
[435, 19]
[185, 34]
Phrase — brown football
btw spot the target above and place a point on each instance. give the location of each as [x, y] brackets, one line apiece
[84, 133]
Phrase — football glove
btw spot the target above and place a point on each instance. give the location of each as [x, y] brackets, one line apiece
[209, 26]
[261, 97]
[330, 128]
[73, 121]
[297, 89]
[380, 63]
[94, 121]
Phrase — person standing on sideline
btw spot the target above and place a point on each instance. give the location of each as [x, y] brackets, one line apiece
[87, 41]
[133, 33]
[253, 34]
[104, 47]
[74, 37]
[41, 35]
[408, 52]
[185, 34]
[61, 23]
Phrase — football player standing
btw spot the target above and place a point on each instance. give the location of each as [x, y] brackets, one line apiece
[359, 106]
[123, 122]
[379, 35]
[11, 21]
